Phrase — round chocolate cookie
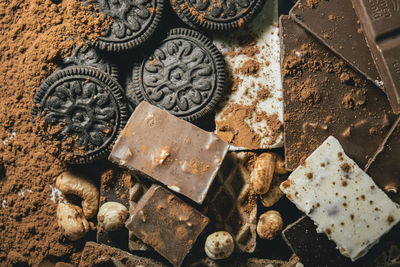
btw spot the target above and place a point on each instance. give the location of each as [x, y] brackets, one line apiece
[89, 106]
[217, 15]
[133, 22]
[185, 75]
[89, 56]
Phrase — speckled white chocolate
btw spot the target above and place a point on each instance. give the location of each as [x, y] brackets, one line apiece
[341, 199]
[265, 26]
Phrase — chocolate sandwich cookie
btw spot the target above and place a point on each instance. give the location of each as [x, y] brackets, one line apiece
[217, 15]
[184, 75]
[89, 107]
[133, 22]
[89, 56]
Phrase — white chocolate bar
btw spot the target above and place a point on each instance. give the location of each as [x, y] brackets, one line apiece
[258, 43]
[341, 199]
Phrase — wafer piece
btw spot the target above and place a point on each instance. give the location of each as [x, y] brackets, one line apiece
[231, 205]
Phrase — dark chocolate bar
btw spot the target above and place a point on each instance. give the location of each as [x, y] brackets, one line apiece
[316, 249]
[323, 96]
[334, 23]
[114, 186]
[312, 248]
[385, 169]
[380, 20]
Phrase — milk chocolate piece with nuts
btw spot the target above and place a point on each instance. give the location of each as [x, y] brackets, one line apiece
[170, 150]
[323, 96]
[166, 223]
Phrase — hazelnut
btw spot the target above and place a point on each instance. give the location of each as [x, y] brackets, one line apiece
[269, 225]
[263, 172]
[112, 216]
[219, 245]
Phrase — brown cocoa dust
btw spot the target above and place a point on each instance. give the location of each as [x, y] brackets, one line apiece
[34, 36]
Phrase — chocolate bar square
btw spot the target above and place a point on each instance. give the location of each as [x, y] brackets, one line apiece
[166, 223]
[172, 151]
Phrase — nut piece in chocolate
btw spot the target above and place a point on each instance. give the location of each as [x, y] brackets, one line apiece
[166, 223]
[170, 150]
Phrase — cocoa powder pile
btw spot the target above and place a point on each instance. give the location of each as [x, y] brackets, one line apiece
[35, 35]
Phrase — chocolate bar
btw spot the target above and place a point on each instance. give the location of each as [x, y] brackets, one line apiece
[312, 248]
[251, 117]
[334, 23]
[102, 255]
[385, 169]
[316, 249]
[166, 223]
[341, 199]
[380, 20]
[116, 185]
[244, 261]
[323, 96]
[170, 150]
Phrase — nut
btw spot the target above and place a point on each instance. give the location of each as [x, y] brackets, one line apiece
[280, 167]
[72, 183]
[274, 193]
[269, 225]
[219, 245]
[263, 172]
[71, 220]
[112, 216]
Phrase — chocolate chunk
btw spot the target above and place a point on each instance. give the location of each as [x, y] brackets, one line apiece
[217, 15]
[312, 248]
[316, 249]
[133, 22]
[88, 105]
[381, 24]
[323, 96]
[166, 223]
[89, 56]
[385, 169]
[232, 205]
[241, 260]
[334, 23]
[170, 150]
[115, 186]
[185, 75]
[101, 255]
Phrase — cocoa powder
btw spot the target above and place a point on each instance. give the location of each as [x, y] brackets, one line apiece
[35, 35]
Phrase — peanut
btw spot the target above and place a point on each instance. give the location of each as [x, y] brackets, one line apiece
[263, 173]
[280, 167]
[274, 193]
